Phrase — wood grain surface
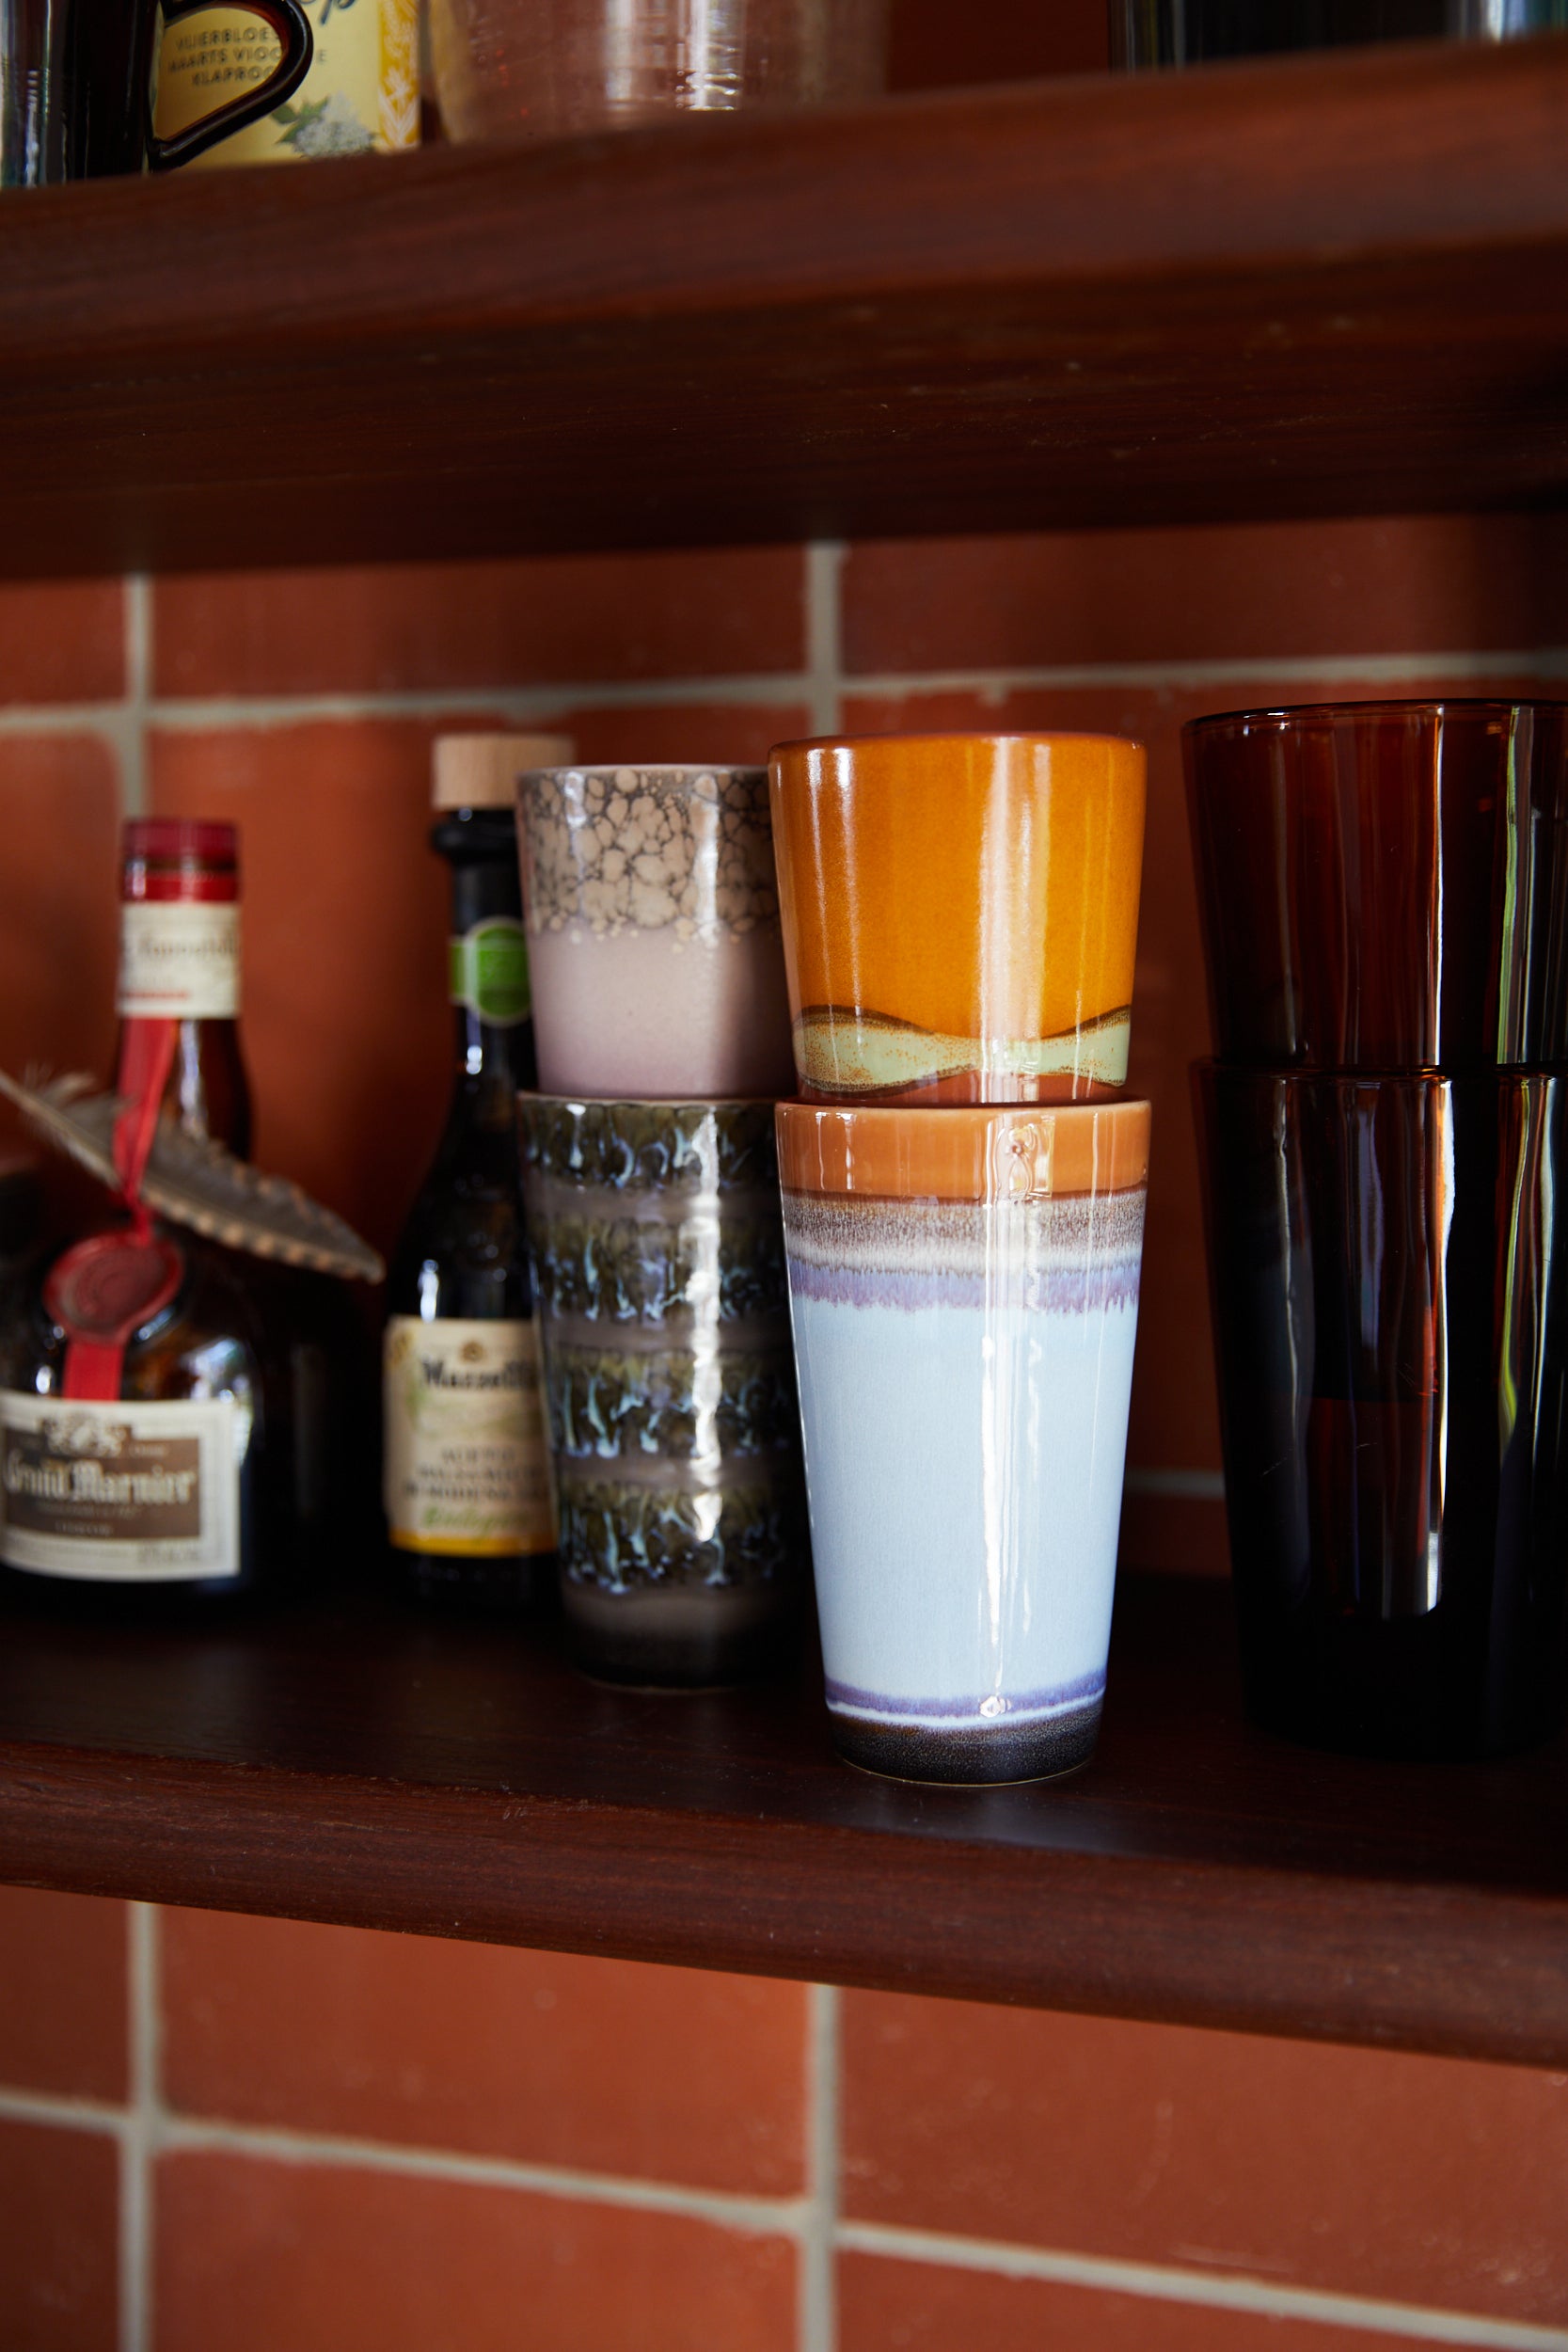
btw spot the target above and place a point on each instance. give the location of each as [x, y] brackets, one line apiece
[353, 1760]
[1308, 286]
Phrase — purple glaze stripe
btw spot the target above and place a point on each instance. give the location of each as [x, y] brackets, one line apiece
[1062, 1290]
[845, 1697]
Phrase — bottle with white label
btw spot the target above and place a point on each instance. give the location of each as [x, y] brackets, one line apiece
[180, 962]
[470, 1512]
[142, 1457]
[161, 1438]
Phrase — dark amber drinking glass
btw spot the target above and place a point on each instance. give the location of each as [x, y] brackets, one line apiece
[1387, 1276]
[1383, 886]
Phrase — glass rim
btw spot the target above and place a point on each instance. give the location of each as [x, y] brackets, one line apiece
[1476, 1075]
[1283, 718]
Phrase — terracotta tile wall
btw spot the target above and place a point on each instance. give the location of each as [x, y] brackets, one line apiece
[223, 2132]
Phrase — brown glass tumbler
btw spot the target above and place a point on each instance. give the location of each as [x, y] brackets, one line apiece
[1383, 885]
[1387, 1276]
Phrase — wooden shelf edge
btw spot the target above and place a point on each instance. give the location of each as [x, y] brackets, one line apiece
[1109, 300]
[1404, 1966]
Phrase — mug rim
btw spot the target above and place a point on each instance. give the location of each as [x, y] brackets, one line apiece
[963, 1152]
[684, 769]
[953, 736]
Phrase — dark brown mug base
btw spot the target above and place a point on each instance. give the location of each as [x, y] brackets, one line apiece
[973, 1756]
[680, 1637]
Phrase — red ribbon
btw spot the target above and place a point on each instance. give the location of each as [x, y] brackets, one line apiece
[95, 1359]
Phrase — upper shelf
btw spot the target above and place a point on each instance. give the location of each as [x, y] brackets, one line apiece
[355, 1761]
[1297, 288]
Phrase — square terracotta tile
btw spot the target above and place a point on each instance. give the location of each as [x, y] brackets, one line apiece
[62, 1967]
[601, 2065]
[59, 905]
[1178, 1534]
[1419, 585]
[935, 46]
[62, 641]
[1430, 2181]
[921, 2307]
[254, 2256]
[59, 2193]
[724, 732]
[1175, 1421]
[347, 1028]
[400, 629]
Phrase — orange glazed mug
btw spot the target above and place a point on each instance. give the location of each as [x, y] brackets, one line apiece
[960, 914]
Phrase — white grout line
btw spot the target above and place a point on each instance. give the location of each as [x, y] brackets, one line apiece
[139, 2145]
[825, 635]
[279, 710]
[1184, 1486]
[147, 2127]
[138, 691]
[1370, 669]
[1212, 2290]
[769, 2215]
[818, 2290]
[535, 702]
[821, 686]
[76, 2115]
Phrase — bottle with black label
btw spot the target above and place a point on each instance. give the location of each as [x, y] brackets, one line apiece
[470, 1512]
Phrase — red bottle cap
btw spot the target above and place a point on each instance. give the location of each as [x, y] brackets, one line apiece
[180, 840]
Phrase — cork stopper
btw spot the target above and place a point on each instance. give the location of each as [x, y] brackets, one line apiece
[482, 770]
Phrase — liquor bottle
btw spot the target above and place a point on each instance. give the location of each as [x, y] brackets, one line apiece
[469, 1508]
[145, 1454]
[180, 965]
[180, 961]
[163, 1431]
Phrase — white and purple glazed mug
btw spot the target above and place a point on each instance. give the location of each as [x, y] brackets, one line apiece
[963, 1290]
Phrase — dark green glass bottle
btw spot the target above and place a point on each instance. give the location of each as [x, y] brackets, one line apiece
[470, 1514]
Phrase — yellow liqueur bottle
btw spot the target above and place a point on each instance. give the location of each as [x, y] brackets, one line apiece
[360, 97]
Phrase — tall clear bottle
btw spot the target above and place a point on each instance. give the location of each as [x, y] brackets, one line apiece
[471, 1515]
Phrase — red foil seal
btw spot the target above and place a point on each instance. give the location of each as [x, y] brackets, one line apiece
[101, 1293]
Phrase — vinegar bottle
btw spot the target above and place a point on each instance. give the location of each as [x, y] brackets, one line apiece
[467, 1483]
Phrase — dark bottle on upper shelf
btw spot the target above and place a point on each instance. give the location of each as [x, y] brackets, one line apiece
[469, 1508]
[164, 1430]
[1189, 32]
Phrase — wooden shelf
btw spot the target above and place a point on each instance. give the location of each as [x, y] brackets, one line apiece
[1293, 288]
[356, 1761]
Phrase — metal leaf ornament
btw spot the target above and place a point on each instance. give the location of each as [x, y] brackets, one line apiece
[195, 1182]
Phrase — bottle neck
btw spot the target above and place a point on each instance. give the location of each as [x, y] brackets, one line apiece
[488, 960]
[180, 970]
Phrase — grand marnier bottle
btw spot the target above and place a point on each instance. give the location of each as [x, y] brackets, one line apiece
[152, 1444]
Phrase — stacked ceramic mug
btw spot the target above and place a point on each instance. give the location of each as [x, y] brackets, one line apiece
[963, 1190]
[1384, 889]
[651, 1187]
